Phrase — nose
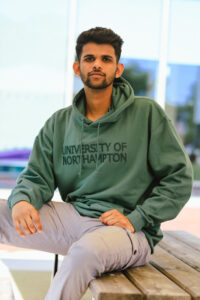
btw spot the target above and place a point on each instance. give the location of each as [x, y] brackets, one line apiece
[97, 65]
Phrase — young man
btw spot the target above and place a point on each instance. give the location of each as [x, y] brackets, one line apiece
[119, 166]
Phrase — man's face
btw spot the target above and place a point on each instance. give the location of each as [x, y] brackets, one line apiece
[98, 65]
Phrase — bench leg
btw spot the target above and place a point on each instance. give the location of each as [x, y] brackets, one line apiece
[55, 265]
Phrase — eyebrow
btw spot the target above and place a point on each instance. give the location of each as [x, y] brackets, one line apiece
[106, 55]
[92, 55]
[87, 55]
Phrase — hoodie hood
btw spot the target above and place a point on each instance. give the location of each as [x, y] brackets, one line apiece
[122, 97]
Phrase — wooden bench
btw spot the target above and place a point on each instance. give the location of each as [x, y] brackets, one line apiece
[173, 273]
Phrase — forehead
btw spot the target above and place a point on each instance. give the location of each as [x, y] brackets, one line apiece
[98, 49]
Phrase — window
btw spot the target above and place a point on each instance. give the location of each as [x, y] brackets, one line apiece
[183, 78]
[37, 51]
[33, 39]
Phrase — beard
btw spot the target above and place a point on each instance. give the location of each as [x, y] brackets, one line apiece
[87, 80]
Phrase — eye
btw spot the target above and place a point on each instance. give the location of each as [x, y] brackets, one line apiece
[89, 58]
[106, 59]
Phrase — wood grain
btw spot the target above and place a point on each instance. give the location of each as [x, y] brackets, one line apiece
[154, 284]
[186, 238]
[182, 251]
[114, 286]
[179, 272]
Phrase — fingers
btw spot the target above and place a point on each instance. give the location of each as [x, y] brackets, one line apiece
[30, 226]
[115, 218]
[18, 228]
[36, 219]
[26, 219]
[25, 226]
[109, 213]
[110, 220]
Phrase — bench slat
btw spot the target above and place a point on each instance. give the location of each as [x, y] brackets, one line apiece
[110, 286]
[173, 273]
[186, 238]
[182, 251]
[177, 271]
[154, 284]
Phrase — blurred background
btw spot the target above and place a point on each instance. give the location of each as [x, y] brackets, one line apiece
[161, 53]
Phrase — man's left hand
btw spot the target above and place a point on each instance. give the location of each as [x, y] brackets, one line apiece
[115, 218]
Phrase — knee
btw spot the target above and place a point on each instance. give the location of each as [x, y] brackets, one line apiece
[82, 252]
[84, 256]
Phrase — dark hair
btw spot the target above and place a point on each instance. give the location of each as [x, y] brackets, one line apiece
[99, 35]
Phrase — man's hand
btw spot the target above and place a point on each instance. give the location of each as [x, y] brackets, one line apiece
[115, 218]
[24, 214]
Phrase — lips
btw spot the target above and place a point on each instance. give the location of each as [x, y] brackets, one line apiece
[96, 74]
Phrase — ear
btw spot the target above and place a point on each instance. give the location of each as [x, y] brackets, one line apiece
[76, 68]
[120, 70]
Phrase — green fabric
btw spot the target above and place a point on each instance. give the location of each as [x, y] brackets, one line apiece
[142, 168]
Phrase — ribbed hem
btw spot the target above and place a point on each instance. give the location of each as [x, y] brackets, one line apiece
[137, 220]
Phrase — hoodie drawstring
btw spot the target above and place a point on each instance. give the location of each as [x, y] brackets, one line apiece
[98, 130]
[81, 143]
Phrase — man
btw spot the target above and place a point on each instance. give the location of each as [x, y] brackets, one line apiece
[119, 166]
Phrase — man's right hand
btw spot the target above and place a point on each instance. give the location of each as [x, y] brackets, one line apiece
[25, 214]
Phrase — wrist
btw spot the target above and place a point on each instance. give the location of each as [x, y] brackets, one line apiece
[132, 229]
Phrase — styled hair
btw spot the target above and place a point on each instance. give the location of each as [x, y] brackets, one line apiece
[99, 35]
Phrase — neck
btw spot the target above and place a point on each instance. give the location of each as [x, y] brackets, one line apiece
[97, 102]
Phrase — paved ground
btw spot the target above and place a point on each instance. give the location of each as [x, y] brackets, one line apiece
[187, 220]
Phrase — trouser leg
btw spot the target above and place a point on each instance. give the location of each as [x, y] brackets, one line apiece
[59, 222]
[102, 250]
[91, 248]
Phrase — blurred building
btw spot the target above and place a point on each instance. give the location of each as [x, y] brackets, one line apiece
[161, 53]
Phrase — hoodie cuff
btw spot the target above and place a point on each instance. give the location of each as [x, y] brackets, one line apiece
[137, 220]
[14, 200]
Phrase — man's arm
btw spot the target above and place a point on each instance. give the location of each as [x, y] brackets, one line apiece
[173, 174]
[36, 184]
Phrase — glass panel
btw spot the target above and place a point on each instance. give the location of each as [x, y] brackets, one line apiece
[141, 74]
[33, 42]
[183, 81]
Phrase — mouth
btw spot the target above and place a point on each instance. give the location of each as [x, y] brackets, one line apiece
[96, 74]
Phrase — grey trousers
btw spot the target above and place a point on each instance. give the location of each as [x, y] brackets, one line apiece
[90, 248]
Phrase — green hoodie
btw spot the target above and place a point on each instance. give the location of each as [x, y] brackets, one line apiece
[131, 159]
